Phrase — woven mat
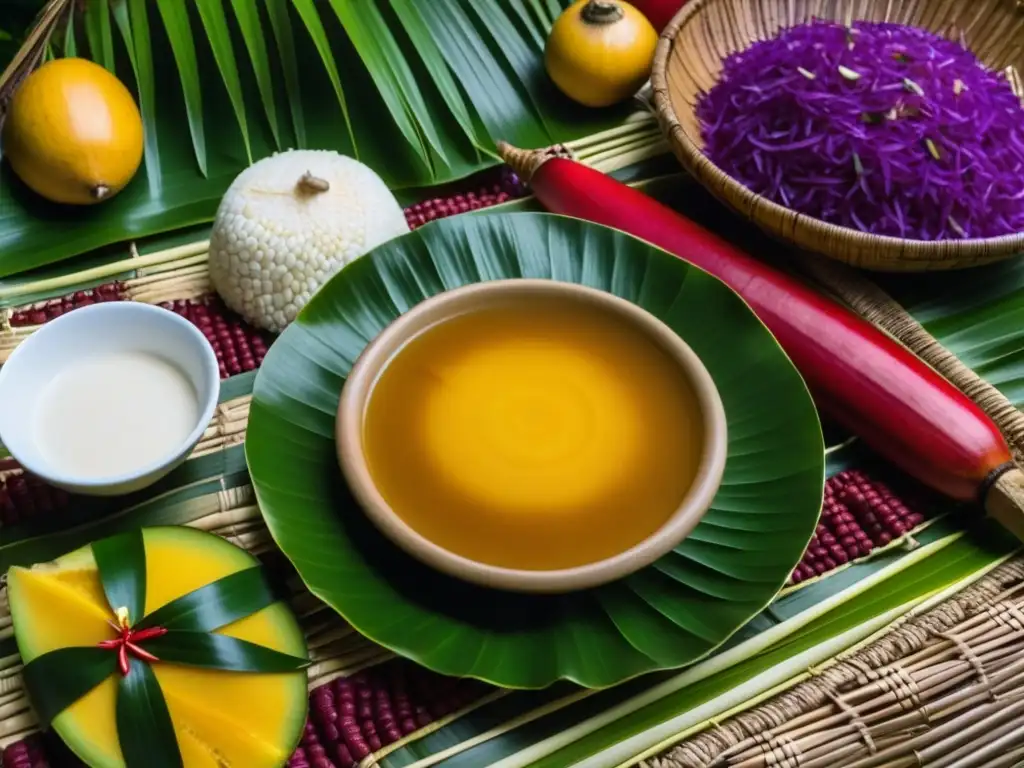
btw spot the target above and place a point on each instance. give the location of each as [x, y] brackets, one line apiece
[368, 708]
[947, 684]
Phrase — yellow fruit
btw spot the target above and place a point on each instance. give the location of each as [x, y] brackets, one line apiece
[599, 52]
[220, 718]
[73, 133]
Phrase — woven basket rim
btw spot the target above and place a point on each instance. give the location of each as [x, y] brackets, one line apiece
[913, 253]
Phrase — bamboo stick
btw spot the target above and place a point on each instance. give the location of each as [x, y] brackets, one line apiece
[6, 741]
[331, 669]
[12, 706]
[637, 122]
[10, 685]
[11, 670]
[106, 271]
[624, 160]
[645, 145]
[20, 723]
[978, 741]
[622, 143]
[228, 517]
[1012, 759]
[31, 51]
[333, 632]
[188, 288]
[1016, 83]
[200, 263]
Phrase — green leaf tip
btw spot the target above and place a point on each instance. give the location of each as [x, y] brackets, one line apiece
[215, 605]
[229, 654]
[121, 562]
[144, 726]
[58, 679]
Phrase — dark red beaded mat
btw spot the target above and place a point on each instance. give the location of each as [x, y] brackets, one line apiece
[859, 515]
[354, 716]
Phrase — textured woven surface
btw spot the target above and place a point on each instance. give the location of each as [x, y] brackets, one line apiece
[938, 688]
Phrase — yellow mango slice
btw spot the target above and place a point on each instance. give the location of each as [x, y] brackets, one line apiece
[222, 719]
[225, 736]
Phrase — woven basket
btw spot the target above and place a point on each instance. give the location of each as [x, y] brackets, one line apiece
[689, 59]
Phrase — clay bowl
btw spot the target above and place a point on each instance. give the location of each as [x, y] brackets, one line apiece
[359, 386]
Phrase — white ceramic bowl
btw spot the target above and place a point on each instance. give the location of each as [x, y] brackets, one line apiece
[124, 326]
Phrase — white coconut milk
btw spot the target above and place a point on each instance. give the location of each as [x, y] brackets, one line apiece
[114, 414]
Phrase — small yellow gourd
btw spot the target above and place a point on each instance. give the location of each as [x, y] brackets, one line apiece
[73, 132]
[600, 52]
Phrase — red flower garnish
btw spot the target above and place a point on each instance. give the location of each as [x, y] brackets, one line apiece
[127, 642]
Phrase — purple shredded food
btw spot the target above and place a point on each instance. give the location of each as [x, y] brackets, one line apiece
[881, 127]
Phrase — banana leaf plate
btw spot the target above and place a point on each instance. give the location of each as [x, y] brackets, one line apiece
[667, 615]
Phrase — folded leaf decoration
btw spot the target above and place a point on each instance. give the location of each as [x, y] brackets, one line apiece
[161, 647]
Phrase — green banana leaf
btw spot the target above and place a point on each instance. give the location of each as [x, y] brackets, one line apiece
[669, 614]
[977, 314]
[419, 90]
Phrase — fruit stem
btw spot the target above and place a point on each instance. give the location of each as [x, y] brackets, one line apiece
[1004, 501]
[100, 192]
[312, 185]
[525, 162]
[601, 12]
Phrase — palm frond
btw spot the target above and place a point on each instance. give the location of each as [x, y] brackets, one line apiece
[248, 15]
[215, 23]
[314, 26]
[280, 24]
[98, 31]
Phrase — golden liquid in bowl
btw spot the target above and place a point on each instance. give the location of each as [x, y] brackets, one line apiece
[533, 436]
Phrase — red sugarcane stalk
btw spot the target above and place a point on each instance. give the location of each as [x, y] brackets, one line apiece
[861, 377]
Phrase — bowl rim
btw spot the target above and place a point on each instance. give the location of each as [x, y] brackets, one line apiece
[52, 329]
[378, 354]
[887, 252]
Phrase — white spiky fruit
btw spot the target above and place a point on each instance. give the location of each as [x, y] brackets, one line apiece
[288, 223]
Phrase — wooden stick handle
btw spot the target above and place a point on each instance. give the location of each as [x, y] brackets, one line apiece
[1004, 501]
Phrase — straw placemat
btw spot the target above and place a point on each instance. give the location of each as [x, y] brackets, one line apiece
[367, 707]
[942, 689]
